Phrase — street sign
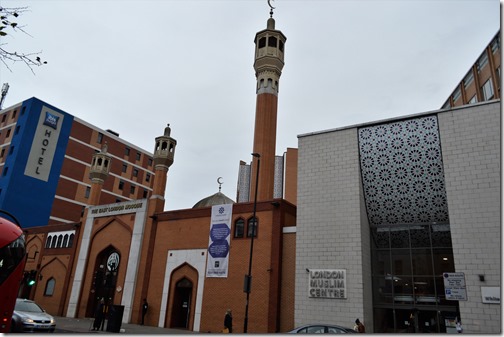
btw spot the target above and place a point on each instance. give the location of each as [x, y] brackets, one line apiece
[455, 288]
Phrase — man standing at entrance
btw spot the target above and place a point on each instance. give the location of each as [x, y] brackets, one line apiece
[359, 327]
[145, 306]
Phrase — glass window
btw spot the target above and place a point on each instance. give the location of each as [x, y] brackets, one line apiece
[381, 262]
[473, 100]
[88, 191]
[135, 172]
[147, 177]
[421, 260]
[495, 44]
[70, 241]
[482, 61]
[121, 184]
[239, 228]
[100, 138]
[468, 79]
[486, 90]
[8, 133]
[262, 42]
[138, 155]
[12, 254]
[4, 117]
[14, 114]
[443, 261]
[401, 262]
[456, 94]
[49, 288]
[252, 228]
[124, 167]
[132, 189]
[2, 153]
[281, 45]
[65, 241]
[272, 41]
[127, 151]
[150, 161]
[145, 193]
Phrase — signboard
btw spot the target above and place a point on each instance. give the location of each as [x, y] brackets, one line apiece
[455, 288]
[327, 283]
[218, 242]
[491, 295]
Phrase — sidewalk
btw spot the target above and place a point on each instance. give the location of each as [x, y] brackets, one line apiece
[84, 325]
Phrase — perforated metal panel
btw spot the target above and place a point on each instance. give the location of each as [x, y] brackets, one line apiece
[402, 173]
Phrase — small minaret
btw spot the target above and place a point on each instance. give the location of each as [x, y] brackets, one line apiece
[268, 65]
[99, 171]
[164, 153]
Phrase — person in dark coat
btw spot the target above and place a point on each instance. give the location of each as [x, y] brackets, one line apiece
[145, 306]
[359, 326]
[99, 315]
[228, 320]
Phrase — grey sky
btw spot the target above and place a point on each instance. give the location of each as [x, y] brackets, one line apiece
[134, 66]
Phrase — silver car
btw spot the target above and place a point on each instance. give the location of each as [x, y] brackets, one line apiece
[28, 316]
[322, 328]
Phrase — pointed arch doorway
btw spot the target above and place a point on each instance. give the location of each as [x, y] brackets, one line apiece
[104, 279]
[181, 307]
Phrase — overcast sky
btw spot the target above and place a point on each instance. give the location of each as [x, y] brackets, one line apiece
[134, 66]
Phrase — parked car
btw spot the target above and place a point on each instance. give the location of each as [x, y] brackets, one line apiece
[28, 316]
[322, 328]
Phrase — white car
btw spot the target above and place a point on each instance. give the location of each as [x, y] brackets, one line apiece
[28, 316]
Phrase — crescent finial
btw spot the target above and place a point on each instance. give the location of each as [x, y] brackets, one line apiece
[271, 8]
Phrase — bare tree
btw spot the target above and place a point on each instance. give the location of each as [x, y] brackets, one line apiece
[9, 26]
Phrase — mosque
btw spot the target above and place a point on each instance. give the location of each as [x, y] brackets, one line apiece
[394, 222]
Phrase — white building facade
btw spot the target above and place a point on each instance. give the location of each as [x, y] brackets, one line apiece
[399, 223]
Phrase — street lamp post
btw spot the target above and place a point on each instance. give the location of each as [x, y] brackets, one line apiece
[248, 278]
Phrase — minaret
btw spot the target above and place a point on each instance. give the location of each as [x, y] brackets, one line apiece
[164, 153]
[268, 65]
[99, 171]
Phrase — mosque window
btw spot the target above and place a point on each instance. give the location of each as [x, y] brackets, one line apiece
[272, 41]
[65, 241]
[239, 228]
[281, 45]
[70, 240]
[252, 227]
[49, 288]
[262, 42]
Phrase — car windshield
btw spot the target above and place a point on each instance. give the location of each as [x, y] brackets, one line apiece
[27, 306]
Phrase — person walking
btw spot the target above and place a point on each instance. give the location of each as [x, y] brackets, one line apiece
[145, 306]
[99, 315]
[359, 327]
[458, 326]
[228, 321]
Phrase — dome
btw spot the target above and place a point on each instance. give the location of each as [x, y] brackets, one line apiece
[216, 199]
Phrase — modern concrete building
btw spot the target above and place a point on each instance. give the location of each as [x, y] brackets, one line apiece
[399, 223]
[45, 157]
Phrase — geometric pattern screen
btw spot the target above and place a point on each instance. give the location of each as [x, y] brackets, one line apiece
[402, 173]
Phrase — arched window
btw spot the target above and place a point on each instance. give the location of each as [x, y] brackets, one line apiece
[65, 241]
[70, 241]
[262, 42]
[48, 241]
[54, 240]
[239, 228]
[252, 227]
[60, 241]
[272, 41]
[49, 288]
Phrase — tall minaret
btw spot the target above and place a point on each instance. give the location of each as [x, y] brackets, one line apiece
[268, 65]
[164, 153]
[98, 173]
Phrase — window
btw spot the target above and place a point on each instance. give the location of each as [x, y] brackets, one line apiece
[473, 100]
[138, 155]
[8, 133]
[70, 241]
[150, 161]
[49, 288]
[2, 153]
[127, 151]
[468, 79]
[145, 193]
[495, 44]
[88, 191]
[121, 184]
[135, 172]
[272, 41]
[280, 45]
[125, 168]
[456, 94]
[487, 90]
[100, 138]
[4, 117]
[262, 42]
[132, 189]
[239, 228]
[482, 61]
[252, 227]
[14, 114]
[147, 177]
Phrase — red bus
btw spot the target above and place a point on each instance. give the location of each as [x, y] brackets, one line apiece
[12, 264]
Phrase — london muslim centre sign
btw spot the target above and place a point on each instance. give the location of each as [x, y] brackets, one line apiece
[327, 283]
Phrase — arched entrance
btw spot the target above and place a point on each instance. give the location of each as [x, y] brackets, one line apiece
[104, 279]
[181, 304]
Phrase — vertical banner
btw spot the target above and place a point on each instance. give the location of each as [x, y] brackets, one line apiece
[218, 243]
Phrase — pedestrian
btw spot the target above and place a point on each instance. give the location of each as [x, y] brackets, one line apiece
[359, 327]
[228, 321]
[458, 326]
[99, 315]
[145, 306]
